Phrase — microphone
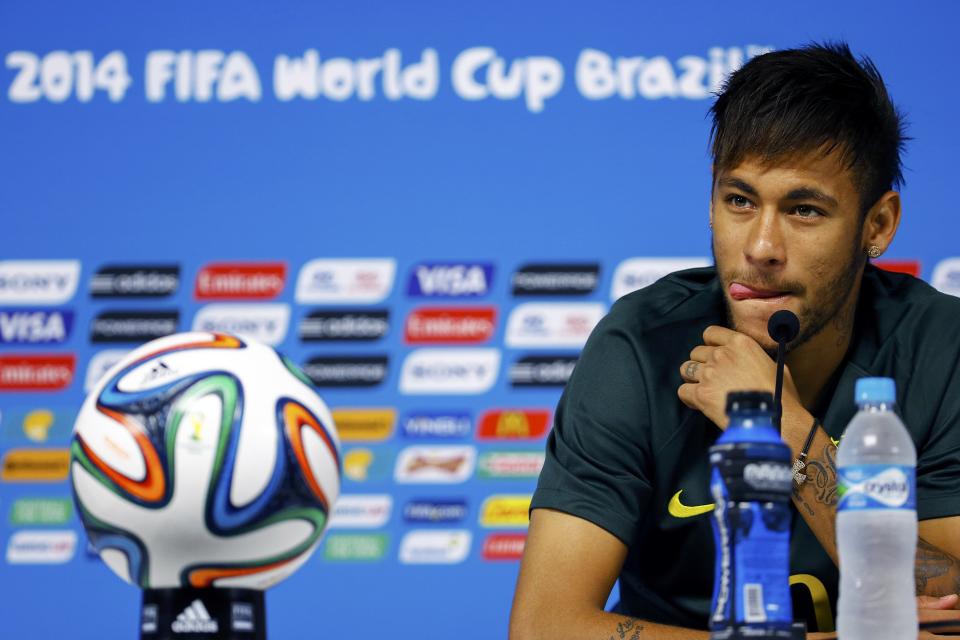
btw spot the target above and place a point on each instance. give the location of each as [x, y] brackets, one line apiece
[783, 327]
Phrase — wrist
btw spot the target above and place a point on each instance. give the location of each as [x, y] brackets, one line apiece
[795, 426]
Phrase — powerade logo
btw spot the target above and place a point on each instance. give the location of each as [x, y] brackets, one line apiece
[240, 281]
[542, 371]
[435, 511]
[556, 279]
[35, 326]
[437, 424]
[337, 371]
[133, 326]
[450, 280]
[346, 281]
[342, 326]
[637, 273]
[135, 281]
[874, 486]
[47, 282]
[266, 323]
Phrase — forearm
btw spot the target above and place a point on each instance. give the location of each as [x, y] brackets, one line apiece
[937, 572]
[599, 625]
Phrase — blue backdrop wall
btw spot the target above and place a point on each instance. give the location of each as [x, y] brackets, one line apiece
[483, 179]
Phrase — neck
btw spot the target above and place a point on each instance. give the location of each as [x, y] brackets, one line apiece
[813, 363]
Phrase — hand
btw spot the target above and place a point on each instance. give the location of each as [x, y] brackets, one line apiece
[949, 601]
[729, 361]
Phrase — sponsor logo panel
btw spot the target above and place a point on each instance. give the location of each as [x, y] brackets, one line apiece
[35, 326]
[35, 465]
[133, 326]
[447, 511]
[368, 464]
[909, 267]
[450, 325]
[510, 464]
[364, 425]
[637, 273]
[434, 546]
[100, 364]
[556, 279]
[361, 511]
[346, 281]
[240, 281]
[509, 511]
[265, 322]
[449, 371]
[41, 511]
[551, 324]
[344, 371]
[946, 276]
[343, 547]
[135, 281]
[503, 546]
[37, 426]
[344, 326]
[450, 280]
[542, 371]
[41, 547]
[28, 372]
[437, 424]
[513, 424]
[46, 282]
[435, 464]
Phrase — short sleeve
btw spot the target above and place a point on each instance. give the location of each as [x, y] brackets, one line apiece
[597, 454]
[938, 460]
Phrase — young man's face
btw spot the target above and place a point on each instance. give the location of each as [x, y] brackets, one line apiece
[787, 235]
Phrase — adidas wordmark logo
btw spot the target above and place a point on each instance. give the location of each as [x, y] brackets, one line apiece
[195, 619]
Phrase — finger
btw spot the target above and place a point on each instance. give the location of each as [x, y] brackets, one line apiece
[948, 601]
[689, 370]
[688, 396]
[702, 353]
[718, 336]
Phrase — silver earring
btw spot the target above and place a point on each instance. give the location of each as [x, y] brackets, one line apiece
[874, 251]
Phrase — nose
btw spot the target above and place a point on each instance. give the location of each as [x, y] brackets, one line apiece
[765, 246]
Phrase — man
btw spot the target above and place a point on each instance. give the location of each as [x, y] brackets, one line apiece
[806, 150]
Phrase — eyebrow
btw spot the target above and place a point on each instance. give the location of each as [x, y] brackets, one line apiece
[800, 193]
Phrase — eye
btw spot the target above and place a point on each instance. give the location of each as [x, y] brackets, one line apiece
[738, 201]
[806, 211]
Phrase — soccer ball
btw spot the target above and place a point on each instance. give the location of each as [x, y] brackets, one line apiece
[204, 460]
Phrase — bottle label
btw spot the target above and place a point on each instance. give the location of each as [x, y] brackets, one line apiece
[876, 486]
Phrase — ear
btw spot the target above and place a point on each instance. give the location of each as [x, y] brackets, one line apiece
[882, 221]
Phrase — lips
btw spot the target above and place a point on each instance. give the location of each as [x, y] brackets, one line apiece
[740, 291]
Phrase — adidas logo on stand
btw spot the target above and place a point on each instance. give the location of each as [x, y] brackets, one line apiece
[195, 619]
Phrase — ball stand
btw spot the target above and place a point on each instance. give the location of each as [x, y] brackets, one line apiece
[202, 614]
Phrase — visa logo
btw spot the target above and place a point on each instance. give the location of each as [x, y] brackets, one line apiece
[34, 326]
[451, 280]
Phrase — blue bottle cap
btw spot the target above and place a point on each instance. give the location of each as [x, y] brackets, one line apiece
[875, 390]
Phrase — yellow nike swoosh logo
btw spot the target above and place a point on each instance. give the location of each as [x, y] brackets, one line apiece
[680, 510]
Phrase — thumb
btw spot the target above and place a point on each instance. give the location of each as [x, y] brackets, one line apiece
[944, 602]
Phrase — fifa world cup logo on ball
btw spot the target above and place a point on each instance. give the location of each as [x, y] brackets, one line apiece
[204, 468]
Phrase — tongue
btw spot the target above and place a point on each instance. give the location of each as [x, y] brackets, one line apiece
[741, 292]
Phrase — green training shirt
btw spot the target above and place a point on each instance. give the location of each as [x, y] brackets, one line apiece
[623, 445]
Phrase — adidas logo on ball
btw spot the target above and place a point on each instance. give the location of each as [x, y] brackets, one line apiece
[195, 619]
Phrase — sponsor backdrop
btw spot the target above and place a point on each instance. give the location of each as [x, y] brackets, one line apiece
[427, 206]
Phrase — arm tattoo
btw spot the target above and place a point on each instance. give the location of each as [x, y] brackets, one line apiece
[933, 563]
[822, 472]
[629, 629]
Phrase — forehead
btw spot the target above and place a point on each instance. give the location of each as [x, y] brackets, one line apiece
[774, 178]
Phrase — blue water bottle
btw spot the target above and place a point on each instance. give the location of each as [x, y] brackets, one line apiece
[750, 480]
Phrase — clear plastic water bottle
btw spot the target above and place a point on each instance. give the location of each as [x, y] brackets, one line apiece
[750, 481]
[876, 520]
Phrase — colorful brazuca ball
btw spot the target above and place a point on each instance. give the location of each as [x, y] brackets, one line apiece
[204, 460]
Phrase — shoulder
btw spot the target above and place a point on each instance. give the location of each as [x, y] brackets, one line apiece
[909, 308]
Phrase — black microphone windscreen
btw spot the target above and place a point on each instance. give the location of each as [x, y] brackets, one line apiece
[783, 326]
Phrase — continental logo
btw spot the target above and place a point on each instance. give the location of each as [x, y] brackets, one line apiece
[513, 424]
[133, 326]
[135, 281]
[450, 325]
[510, 464]
[507, 511]
[35, 465]
[240, 281]
[504, 546]
[364, 425]
[36, 372]
[556, 279]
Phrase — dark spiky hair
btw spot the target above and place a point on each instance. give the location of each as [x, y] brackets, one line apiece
[818, 97]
